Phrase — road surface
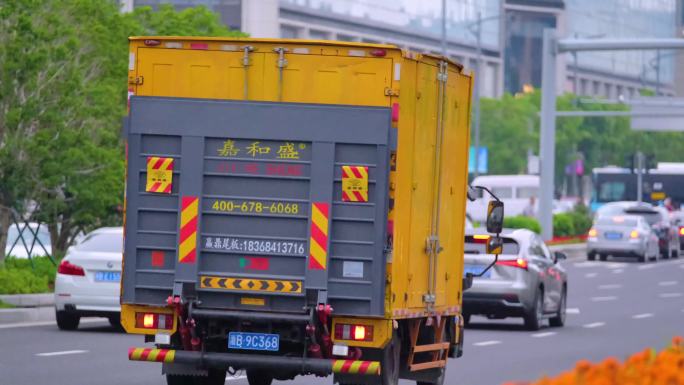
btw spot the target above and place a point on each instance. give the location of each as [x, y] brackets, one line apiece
[615, 308]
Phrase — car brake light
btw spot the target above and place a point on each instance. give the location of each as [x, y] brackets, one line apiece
[520, 262]
[592, 233]
[154, 321]
[681, 231]
[68, 268]
[353, 332]
[634, 234]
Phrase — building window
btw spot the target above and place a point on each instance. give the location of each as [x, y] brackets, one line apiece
[342, 37]
[289, 32]
[318, 35]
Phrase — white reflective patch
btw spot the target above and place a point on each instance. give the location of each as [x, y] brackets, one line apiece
[162, 339]
[397, 72]
[173, 44]
[352, 269]
[228, 47]
[162, 322]
[356, 52]
[301, 51]
[131, 61]
[340, 350]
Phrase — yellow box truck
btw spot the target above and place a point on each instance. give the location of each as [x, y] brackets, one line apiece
[294, 207]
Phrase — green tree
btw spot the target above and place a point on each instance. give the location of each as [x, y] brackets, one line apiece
[63, 72]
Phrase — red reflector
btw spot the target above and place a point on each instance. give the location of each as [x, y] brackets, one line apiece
[68, 268]
[152, 42]
[199, 46]
[520, 262]
[378, 52]
[395, 112]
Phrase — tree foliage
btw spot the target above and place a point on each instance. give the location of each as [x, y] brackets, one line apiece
[63, 71]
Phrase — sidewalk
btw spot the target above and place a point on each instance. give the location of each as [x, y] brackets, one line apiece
[28, 308]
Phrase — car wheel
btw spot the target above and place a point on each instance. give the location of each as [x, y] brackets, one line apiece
[675, 253]
[534, 316]
[665, 254]
[466, 319]
[591, 256]
[559, 319]
[642, 258]
[255, 377]
[67, 321]
[603, 257]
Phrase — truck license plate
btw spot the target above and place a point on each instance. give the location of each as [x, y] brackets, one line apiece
[254, 341]
[107, 276]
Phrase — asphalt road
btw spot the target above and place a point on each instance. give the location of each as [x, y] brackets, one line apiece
[615, 308]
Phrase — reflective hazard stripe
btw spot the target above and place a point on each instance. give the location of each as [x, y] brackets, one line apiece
[356, 367]
[318, 243]
[151, 355]
[159, 174]
[187, 242]
[354, 183]
[251, 284]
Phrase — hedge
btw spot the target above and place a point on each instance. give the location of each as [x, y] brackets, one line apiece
[522, 222]
[648, 367]
[563, 225]
[19, 276]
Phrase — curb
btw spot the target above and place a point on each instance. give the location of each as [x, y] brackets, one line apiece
[29, 300]
[23, 315]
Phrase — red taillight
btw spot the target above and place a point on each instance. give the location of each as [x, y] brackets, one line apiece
[520, 262]
[353, 332]
[68, 268]
[199, 46]
[480, 238]
[154, 321]
[395, 112]
[152, 42]
[378, 52]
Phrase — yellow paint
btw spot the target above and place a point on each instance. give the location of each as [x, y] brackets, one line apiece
[251, 284]
[323, 72]
[382, 331]
[128, 318]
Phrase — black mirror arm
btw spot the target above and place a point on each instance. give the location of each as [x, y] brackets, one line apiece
[496, 198]
[496, 259]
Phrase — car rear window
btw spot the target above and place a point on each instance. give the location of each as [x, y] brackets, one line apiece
[652, 217]
[617, 221]
[477, 246]
[105, 242]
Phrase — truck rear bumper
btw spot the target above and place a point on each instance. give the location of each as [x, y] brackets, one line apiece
[318, 366]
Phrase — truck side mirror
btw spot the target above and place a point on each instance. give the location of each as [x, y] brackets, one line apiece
[494, 245]
[495, 216]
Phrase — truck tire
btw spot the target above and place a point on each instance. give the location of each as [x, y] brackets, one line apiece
[391, 361]
[256, 377]
[559, 319]
[66, 321]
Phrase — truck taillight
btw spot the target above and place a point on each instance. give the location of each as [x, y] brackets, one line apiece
[681, 231]
[353, 332]
[68, 268]
[154, 321]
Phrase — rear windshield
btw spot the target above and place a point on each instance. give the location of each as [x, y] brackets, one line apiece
[623, 222]
[477, 246]
[105, 242]
[652, 217]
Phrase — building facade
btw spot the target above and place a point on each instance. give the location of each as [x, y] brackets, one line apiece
[510, 33]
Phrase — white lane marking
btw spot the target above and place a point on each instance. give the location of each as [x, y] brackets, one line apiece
[47, 323]
[667, 283]
[62, 353]
[544, 334]
[235, 378]
[590, 275]
[618, 271]
[594, 325]
[616, 265]
[646, 267]
[572, 310]
[670, 295]
[487, 343]
[604, 299]
[642, 315]
[586, 264]
[610, 286]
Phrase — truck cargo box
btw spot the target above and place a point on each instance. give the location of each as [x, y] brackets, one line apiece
[271, 175]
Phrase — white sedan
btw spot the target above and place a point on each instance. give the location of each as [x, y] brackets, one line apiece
[88, 279]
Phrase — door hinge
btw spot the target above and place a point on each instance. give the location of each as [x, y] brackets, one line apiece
[137, 80]
[443, 74]
[391, 92]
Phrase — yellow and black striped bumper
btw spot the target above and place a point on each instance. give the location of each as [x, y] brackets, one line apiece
[319, 366]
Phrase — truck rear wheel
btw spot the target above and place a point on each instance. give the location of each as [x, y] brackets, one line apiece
[255, 377]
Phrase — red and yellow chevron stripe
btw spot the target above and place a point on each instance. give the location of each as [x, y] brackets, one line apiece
[159, 174]
[356, 367]
[151, 355]
[187, 242]
[318, 243]
[354, 183]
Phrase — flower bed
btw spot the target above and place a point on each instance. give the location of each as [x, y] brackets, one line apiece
[648, 367]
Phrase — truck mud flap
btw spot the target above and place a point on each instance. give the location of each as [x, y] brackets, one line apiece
[318, 366]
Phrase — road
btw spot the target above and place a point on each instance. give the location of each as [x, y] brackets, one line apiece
[616, 308]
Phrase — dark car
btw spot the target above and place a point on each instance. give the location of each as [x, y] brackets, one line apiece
[662, 225]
